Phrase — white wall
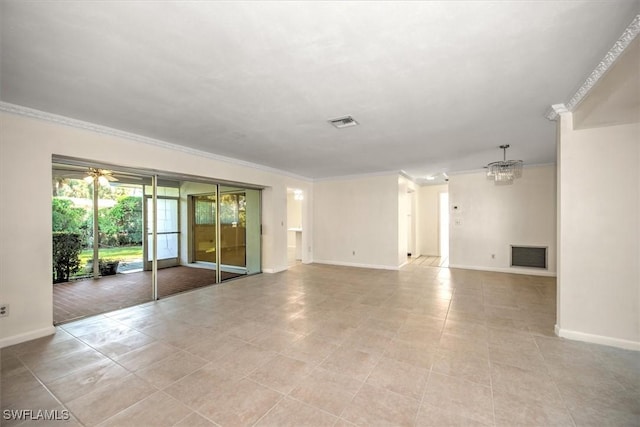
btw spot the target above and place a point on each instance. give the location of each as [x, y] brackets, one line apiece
[491, 218]
[26, 147]
[357, 215]
[429, 219]
[599, 217]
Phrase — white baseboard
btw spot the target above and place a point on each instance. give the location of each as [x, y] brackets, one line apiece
[27, 336]
[525, 271]
[357, 265]
[597, 339]
[275, 270]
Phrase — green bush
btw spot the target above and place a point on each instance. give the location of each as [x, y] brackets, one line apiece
[66, 217]
[126, 216]
[120, 225]
[66, 255]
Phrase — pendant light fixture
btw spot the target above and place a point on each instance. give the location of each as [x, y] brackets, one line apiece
[504, 171]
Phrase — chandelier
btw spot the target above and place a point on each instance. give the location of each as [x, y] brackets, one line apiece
[504, 171]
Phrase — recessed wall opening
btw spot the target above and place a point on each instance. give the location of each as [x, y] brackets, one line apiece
[529, 256]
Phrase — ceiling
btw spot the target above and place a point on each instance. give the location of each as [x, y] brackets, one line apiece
[435, 86]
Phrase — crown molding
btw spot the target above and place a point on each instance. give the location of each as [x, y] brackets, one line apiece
[360, 176]
[19, 110]
[408, 176]
[603, 66]
[555, 110]
[484, 170]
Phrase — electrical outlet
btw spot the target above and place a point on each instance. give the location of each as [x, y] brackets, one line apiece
[4, 310]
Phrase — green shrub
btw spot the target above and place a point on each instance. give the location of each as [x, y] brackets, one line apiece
[126, 216]
[66, 255]
[66, 217]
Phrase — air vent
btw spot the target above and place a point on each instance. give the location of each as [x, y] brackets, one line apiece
[343, 122]
[529, 256]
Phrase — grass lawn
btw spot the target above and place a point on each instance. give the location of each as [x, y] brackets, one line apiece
[123, 253]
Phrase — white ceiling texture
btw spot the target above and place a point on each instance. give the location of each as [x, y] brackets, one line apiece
[436, 86]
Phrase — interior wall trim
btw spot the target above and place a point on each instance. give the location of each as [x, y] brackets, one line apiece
[484, 171]
[105, 130]
[603, 66]
[358, 265]
[597, 339]
[27, 336]
[510, 270]
[364, 175]
[275, 270]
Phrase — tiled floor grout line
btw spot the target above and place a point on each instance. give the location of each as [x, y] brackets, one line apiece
[493, 403]
[367, 377]
[562, 398]
[424, 392]
[129, 372]
[43, 385]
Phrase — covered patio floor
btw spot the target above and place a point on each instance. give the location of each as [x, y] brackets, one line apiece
[73, 300]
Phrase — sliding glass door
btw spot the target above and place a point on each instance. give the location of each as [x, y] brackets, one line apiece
[123, 236]
[225, 229]
[97, 240]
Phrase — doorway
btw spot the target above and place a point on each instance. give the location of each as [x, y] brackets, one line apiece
[411, 225]
[294, 226]
[444, 226]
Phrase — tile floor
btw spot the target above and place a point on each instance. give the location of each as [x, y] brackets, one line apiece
[329, 346]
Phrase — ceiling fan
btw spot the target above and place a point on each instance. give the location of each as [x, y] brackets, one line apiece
[63, 172]
[103, 176]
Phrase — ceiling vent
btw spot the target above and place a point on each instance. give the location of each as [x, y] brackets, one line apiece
[343, 122]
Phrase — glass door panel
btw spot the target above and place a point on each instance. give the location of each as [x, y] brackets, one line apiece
[254, 231]
[233, 230]
[240, 239]
[204, 228]
[168, 231]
